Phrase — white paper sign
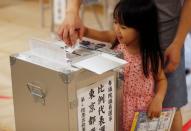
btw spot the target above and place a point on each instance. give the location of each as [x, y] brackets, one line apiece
[96, 106]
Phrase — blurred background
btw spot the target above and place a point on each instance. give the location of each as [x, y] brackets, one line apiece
[21, 20]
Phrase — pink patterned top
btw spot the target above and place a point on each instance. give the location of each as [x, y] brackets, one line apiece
[138, 91]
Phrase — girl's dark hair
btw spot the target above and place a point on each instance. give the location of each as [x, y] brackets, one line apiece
[142, 16]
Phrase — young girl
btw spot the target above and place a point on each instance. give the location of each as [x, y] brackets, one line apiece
[136, 36]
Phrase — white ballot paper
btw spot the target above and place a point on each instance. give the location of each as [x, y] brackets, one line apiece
[100, 63]
[56, 52]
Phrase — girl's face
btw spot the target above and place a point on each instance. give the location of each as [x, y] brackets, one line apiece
[125, 35]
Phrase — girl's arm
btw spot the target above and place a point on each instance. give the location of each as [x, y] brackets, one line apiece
[106, 36]
[161, 86]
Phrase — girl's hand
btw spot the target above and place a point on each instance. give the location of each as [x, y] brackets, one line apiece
[155, 107]
[172, 57]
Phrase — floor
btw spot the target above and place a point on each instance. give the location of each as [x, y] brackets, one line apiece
[18, 23]
[15, 32]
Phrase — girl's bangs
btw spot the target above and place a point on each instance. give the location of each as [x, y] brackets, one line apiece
[118, 14]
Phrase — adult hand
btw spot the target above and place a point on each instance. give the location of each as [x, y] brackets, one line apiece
[71, 29]
[172, 58]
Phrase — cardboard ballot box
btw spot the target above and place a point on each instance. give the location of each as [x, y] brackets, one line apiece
[56, 90]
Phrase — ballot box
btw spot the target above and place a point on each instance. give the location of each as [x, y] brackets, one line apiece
[59, 90]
